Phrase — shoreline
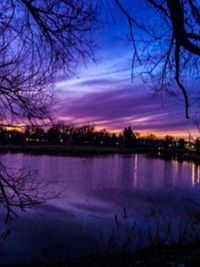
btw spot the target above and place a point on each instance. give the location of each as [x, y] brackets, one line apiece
[64, 150]
[72, 150]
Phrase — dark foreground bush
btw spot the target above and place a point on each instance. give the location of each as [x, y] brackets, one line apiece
[179, 256]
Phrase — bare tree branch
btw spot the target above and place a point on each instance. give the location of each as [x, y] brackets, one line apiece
[175, 61]
[40, 40]
[181, 86]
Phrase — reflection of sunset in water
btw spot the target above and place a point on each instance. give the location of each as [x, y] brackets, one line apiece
[195, 174]
[92, 190]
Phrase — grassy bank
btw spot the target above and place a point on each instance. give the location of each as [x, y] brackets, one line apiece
[64, 150]
[71, 150]
[179, 256]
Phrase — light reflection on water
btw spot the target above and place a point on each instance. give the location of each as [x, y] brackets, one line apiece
[91, 173]
[195, 174]
[94, 189]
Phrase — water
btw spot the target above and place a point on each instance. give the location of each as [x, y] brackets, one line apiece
[93, 192]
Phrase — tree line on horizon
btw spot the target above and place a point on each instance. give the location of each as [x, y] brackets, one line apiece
[86, 135]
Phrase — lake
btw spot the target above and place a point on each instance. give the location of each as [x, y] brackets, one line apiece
[97, 198]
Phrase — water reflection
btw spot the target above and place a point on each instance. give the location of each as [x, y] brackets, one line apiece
[110, 177]
[135, 171]
[94, 189]
[122, 172]
[195, 175]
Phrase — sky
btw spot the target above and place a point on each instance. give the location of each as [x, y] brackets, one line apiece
[102, 92]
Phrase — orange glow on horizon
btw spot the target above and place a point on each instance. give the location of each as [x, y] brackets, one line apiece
[13, 128]
[144, 133]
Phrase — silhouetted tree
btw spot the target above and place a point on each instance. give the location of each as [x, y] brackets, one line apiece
[197, 145]
[168, 141]
[27, 133]
[2, 135]
[54, 134]
[40, 42]
[166, 42]
[113, 140]
[15, 137]
[120, 139]
[38, 134]
[181, 143]
[151, 140]
[129, 137]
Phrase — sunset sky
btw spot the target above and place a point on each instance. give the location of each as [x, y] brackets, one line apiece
[102, 93]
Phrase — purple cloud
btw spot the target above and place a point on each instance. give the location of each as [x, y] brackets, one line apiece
[124, 105]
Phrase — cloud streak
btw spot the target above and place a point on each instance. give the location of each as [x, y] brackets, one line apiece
[102, 93]
[122, 105]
